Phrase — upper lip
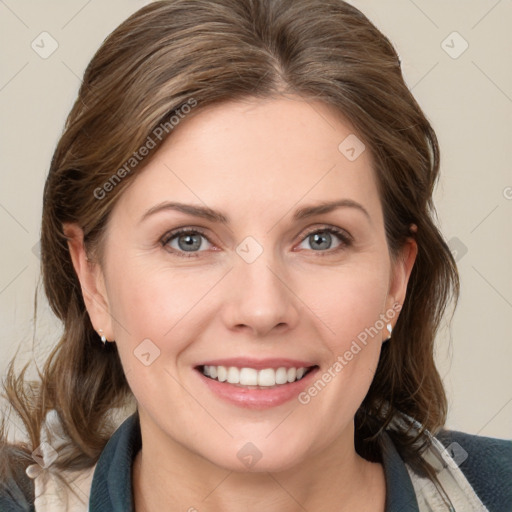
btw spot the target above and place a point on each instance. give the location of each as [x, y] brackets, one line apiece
[258, 364]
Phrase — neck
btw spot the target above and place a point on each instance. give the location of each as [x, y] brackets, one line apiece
[337, 479]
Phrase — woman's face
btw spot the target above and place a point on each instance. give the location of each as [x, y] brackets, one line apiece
[263, 279]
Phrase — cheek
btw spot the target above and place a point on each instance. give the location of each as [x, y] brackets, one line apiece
[157, 304]
[151, 308]
[350, 305]
[351, 312]
[150, 301]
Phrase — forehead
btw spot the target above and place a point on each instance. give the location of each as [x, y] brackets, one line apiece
[258, 156]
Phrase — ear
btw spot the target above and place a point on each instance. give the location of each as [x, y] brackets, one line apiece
[400, 273]
[91, 280]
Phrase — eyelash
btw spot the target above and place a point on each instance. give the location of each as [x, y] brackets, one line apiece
[345, 240]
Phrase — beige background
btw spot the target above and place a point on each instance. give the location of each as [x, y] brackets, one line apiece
[466, 95]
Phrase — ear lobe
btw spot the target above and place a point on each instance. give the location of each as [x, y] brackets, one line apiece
[91, 280]
[400, 274]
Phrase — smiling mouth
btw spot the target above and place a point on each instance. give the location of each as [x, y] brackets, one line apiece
[251, 378]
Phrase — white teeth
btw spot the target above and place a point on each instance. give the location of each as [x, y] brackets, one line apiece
[233, 375]
[281, 376]
[222, 373]
[248, 377]
[267, 377]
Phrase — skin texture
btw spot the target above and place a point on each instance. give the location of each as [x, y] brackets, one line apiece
[256, 161]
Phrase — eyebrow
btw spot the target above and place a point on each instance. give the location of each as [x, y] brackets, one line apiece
[215, 216]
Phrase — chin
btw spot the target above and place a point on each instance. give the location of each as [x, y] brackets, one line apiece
[247, 457]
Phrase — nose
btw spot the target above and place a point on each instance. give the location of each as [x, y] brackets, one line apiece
[261, 298]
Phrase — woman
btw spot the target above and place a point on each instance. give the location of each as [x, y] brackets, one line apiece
[238, 236]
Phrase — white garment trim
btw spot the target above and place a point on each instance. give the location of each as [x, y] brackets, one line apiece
[50, 494]
[455, 494]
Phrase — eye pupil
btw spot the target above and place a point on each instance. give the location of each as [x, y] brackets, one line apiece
[323, 239]
[189, 242]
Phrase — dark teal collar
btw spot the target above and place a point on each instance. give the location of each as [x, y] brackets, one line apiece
[111, 489]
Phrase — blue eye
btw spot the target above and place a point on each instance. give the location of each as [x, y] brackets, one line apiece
[323, 239]
[188, 242]
[185, 241]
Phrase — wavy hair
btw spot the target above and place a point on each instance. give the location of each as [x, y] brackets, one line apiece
[213, 51]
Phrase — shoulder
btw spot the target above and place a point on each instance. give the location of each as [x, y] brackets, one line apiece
[16, 488]
[486, 463]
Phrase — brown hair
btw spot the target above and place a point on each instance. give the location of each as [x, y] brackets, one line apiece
[169, 53]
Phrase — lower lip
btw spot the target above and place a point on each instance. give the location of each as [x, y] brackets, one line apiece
[257, 398]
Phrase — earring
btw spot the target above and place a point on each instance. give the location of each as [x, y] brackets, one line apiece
[390, 330]
[102, 336]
